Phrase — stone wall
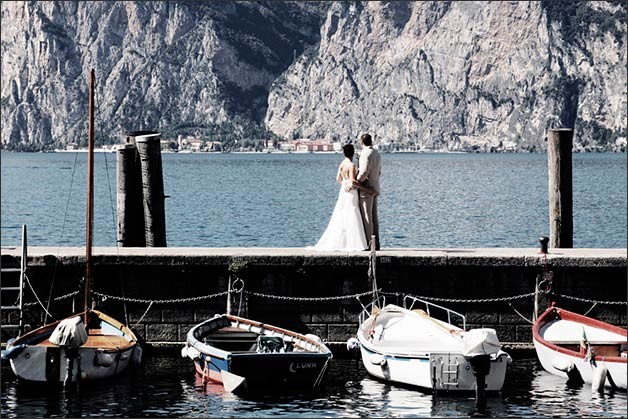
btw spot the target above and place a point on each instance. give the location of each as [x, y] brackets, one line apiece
[188, 274]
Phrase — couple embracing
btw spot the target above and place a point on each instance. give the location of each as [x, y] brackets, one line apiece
[354, 219]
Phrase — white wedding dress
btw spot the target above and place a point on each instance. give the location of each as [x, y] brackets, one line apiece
[345, 230]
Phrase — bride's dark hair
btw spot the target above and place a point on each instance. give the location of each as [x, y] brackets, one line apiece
[348, 150]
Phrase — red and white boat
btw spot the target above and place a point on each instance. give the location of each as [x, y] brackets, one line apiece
[572, 345]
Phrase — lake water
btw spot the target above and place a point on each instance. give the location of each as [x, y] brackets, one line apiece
[285, 200]
[168, 387]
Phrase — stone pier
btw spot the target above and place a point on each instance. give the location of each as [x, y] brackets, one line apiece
[179, 282]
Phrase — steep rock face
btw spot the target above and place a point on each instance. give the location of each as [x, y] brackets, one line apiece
[159, 65]
[459, 75]
[456, 75]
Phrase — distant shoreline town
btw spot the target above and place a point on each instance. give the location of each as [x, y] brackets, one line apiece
[194, 144]
[300, 146]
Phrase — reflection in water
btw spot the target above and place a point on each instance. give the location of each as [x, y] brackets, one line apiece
[168, 387]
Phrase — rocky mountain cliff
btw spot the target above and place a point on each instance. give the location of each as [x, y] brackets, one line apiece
[179, 67]
[457, 75]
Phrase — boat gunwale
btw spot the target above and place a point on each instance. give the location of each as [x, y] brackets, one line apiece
[40, 334]
[554, 312]
[208, 349]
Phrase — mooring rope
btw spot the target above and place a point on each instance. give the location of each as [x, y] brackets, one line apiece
[38, 300]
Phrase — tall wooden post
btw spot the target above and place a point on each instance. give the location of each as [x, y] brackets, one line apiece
[130, 206]
[149, 149]
[89, 229]
[559, 145]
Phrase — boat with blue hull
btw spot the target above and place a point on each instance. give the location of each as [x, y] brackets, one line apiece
[248, 356]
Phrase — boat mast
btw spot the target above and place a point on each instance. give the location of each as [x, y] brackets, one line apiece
[90, 196]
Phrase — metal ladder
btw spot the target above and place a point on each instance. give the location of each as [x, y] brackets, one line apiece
[451, 371]
[12, 289]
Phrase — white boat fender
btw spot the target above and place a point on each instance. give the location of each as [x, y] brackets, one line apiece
[184, 352]
[377, 359]
[12, 352]
[137, 356]
[599, 377]
[191, 352]
[103, 359]
[70, 333]
[353, 345]
[315, 338]
[563, 364]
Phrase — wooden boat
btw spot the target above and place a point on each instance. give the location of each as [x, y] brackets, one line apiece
[109, 349]
[410, 346]
[101, 346]
[248, 356]
[578, 347]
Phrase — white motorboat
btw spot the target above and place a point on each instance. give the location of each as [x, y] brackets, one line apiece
[409, 345]
[578, 347]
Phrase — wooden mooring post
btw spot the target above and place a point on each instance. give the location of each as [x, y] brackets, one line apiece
[130, 206]
[559, 145]
[149, 149]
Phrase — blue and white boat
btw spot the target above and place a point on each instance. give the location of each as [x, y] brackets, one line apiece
[248, 356]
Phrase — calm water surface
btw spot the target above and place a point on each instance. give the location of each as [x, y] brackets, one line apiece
[285, 200]
[168, 387]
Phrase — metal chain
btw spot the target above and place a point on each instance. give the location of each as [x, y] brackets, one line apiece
[61, 297]
[173, 301]
[458, 300]
[338, 298]
[585, 300]
[284, 298]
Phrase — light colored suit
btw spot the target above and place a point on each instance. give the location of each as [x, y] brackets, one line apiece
[370, 169]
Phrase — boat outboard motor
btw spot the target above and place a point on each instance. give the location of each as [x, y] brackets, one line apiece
[70, 334]
[478, 346]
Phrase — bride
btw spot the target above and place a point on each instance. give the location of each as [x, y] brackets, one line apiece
[345, 230]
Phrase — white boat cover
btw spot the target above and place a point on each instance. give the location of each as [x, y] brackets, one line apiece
[480, 342]
[69, 333]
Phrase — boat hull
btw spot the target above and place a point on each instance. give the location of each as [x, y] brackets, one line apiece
[557, 332]
[221, 351]
[430, 371]
[268, 372]
[28, 364]
[616, 370]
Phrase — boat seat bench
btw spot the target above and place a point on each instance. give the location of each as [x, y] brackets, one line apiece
[97, 341]
[605, 349]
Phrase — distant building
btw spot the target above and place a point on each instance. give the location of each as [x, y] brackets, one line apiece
[214, 146]
[287, 146]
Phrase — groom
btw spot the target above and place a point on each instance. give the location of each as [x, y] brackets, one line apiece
[368, 175]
